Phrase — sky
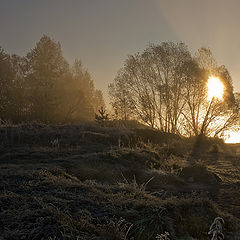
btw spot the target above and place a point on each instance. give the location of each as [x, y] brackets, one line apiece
[102, 33]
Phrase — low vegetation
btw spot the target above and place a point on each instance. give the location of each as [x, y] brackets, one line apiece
[93, 182]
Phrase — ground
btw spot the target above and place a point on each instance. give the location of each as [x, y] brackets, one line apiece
[93, 182]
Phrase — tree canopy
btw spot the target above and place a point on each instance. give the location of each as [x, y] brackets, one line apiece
[42, 86]
[165, 87]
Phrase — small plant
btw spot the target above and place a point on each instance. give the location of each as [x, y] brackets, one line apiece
[163, 236]
[55, 143]
[216, 229]
[134, 186]
[102, 116]
[5, 123]
[117, 229]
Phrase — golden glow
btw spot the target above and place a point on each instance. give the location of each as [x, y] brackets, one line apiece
[215, 88]
[233, 137]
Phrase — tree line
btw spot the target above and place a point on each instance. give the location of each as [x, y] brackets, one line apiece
[165, 87]
[42, 86]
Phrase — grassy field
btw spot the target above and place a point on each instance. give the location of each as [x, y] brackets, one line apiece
[93, 182]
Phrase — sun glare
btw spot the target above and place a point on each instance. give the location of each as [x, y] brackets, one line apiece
[233, 137]
[215, 88]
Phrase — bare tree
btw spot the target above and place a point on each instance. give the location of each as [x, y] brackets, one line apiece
[153, 84]
[202, 116]
[121, 99]
[167, 89]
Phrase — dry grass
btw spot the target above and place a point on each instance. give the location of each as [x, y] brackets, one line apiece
[82, 182]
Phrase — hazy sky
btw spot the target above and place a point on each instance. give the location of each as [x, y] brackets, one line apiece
[103, 32]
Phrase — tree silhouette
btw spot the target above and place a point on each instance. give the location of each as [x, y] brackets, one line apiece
[7, 76]
[45, 67]
[43, 87]
[166, 88]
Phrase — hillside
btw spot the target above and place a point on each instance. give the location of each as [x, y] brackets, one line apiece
[93, 182]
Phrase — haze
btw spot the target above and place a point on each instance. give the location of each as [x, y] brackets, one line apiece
[103, 32]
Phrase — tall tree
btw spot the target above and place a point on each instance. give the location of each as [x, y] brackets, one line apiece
[121, 101]
[152, 85]
[80, 98]
[6, 83]
[166, 88]
[202, 116]
[41, 86]
[45, 68]
[20, 107]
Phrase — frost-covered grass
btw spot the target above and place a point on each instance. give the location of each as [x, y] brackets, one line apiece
[91, 182]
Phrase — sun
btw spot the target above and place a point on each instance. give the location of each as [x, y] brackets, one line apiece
[233, 137]
[215, 88]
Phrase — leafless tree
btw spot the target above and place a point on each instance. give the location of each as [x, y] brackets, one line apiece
[166, 88]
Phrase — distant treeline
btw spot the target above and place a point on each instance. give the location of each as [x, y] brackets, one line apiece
[42, 86]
